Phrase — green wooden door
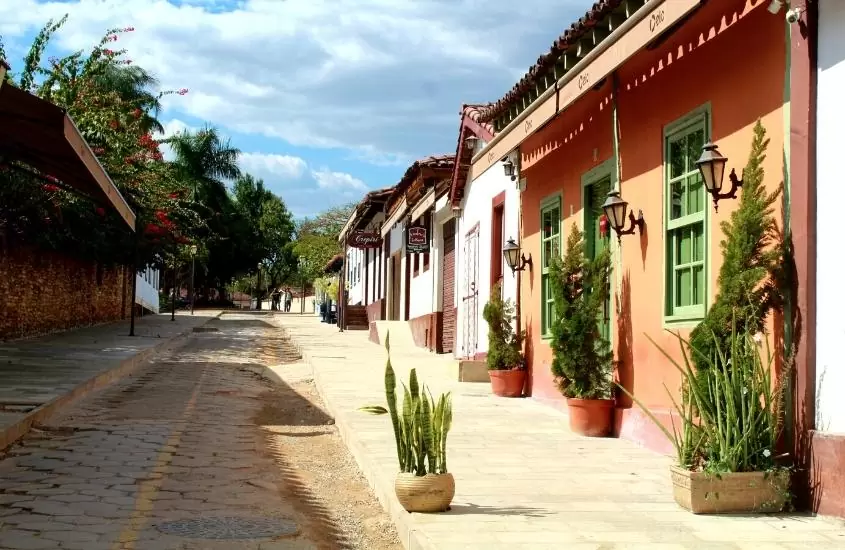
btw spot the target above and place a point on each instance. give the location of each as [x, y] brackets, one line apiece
[595, 195]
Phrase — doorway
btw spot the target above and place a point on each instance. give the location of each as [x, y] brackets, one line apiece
[598, 239]
[395, 286]
[470, 299]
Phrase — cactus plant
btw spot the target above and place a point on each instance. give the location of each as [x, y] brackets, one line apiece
[421, 427]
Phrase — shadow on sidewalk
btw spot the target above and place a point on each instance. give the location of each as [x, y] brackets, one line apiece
[475, 509]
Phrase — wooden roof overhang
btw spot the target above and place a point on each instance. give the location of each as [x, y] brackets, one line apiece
[42, 136]
[611, 32]
[470, 127]
[334, 266]
[365, 211]
[430, 172]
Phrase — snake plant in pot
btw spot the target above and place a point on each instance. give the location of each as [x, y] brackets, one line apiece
[420, 429]
[726, 425]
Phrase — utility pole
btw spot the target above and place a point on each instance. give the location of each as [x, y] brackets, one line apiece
[134, 281]
[173, 301]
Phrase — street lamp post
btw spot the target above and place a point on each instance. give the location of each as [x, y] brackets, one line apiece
[193, 262]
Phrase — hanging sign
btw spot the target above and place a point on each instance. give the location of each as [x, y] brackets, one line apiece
[417, 240]
[364, 239]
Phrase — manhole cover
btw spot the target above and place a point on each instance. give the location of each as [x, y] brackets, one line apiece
[229, 528]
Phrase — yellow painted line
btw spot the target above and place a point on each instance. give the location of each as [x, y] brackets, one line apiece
[152, 485]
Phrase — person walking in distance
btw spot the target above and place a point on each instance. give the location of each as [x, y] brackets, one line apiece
[288, 299]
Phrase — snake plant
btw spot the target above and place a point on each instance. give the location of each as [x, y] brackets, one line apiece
[420, 427]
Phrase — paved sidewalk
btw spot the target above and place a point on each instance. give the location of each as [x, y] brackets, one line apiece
[524, 481]
[39, 375]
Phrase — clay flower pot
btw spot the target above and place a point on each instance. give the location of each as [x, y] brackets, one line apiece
[427, 494]
[730, 493]
[507, 383]
[590, 417]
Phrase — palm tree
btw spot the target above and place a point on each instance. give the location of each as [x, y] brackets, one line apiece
[134, 84]
[205, 159]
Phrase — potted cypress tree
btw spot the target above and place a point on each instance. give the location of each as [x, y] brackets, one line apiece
[504, 347]
[583, 358]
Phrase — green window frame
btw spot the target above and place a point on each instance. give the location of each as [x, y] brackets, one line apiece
[550, 247]
[687, 240]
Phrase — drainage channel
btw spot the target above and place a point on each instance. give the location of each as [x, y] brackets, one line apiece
[229, 528]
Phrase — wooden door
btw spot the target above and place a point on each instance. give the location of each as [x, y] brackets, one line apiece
[595, 195]
[448, 289]
[470, 299]
[395, 286]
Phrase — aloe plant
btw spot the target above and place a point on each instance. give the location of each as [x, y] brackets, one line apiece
[731, 412]
[421, 427]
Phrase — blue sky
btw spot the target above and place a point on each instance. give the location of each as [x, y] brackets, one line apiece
[326, 98]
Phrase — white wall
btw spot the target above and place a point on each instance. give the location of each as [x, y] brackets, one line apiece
[830, 330]
[478, 209]
[354, 278]
[146, 291]
[426, 287]
[396, 240]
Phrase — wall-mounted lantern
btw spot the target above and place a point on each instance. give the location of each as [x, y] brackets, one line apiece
[514, 259]
[510, 169]
[615, 209]
[712, 168]
[471, 142]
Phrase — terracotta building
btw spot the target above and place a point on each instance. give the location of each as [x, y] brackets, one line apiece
[624, 102]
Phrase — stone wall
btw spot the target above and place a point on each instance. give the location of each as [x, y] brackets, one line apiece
[44, 292]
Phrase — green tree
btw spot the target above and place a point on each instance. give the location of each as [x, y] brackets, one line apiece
[750, 257]
[583, 359]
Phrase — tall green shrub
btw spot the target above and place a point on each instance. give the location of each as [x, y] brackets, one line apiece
[504, 349]
[583, 359]
[749, 257]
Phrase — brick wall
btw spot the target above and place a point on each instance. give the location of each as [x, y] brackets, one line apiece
[44, 292]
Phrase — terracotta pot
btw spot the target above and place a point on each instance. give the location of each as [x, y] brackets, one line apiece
[591, 417]
[428, 493]
[730, 493]
[507, 383]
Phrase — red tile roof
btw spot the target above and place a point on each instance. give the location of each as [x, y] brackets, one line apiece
[546, 62]
[441, 162]
[463, 154]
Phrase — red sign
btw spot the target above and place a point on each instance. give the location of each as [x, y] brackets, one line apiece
[417, 240]
[364, 239]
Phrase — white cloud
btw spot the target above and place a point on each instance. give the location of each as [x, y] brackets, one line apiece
[266, 166]
[383, 79]
[337, 181]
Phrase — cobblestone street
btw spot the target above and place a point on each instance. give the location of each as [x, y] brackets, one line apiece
[195, 451]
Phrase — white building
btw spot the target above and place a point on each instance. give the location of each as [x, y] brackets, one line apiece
[489, 217]
[830, 301]
[147, 283]
[417, 210]
[364, 266]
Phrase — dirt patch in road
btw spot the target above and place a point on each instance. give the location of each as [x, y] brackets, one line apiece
[319, 472]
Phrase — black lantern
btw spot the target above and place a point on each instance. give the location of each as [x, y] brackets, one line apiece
[471, 142]
[712, 167]
[615, 208]
[514, 259]
[510, 169]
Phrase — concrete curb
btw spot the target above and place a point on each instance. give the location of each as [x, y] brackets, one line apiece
[412, 538]
[21, 427]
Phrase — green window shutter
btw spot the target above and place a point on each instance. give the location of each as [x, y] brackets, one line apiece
[686, 228]
[550, 247]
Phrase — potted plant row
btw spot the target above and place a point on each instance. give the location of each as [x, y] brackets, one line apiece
[725, 428]
[582, 358]
[505, 363]
[423, 483]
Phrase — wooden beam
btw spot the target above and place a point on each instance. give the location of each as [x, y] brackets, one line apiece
[614, 20]
[632, 5]
[584, 46]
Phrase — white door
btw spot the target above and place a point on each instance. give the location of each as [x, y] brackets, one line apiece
[470, 299]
